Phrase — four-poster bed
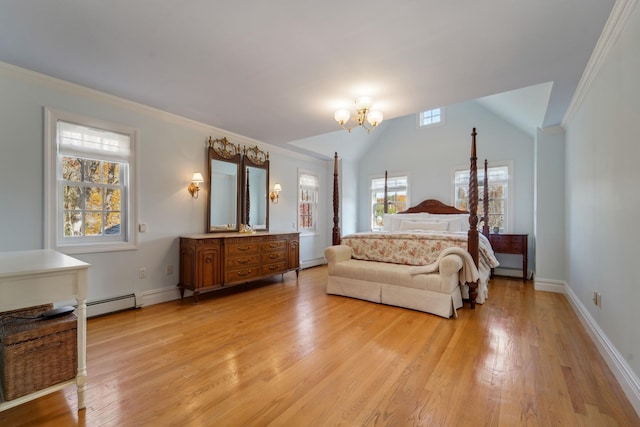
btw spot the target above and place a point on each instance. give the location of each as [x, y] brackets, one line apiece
[430, 241]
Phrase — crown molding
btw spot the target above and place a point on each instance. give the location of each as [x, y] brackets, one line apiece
[620, 14]
[552, 130]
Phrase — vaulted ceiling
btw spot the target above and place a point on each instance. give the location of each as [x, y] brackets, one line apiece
[276, 70]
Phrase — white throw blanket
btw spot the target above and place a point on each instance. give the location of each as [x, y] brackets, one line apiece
[468, 273]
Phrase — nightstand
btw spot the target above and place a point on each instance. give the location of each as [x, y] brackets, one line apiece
[511, 244]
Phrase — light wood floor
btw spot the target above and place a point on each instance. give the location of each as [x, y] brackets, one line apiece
[284, 353]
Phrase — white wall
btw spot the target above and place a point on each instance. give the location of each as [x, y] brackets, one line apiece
[549, 207]
[430, 156]
[603, 200]
[170, 150]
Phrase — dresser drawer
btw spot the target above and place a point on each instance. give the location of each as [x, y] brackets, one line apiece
[508, 244]
[273, 268]
[208, 242]
[242, 274]
[272, 257]
[243, 261]
[242, 248]
[274, 246]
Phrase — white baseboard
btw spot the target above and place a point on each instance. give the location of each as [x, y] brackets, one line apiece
[548, 285]
[511, 272]
[111, 305]
[312, 263]
[157, 296]
[627, 379]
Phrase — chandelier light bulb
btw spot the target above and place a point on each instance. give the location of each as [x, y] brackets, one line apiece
[374, 118]
[363, 103]
[342, 116]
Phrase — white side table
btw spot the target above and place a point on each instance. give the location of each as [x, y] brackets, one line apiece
[29, 278]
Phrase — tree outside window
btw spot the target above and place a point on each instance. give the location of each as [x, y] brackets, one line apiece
[498, 194]
[92, 197]
[397, 200]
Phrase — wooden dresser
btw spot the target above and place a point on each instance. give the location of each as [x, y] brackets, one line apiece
[217, 260]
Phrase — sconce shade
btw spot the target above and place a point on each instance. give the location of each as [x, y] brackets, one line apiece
[275, 194]
[193, 188]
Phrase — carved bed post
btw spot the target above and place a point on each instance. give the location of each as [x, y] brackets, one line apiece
[473, 216]
[386, 198]
[485, 201]
[336, 203]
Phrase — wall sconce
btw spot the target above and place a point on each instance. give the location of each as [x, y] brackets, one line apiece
[275, 194]
[194, 188]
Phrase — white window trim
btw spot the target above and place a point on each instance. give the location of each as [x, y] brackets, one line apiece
[510, 197]
[51, 199]
[306, 232]
[442, 121]
[389, 176]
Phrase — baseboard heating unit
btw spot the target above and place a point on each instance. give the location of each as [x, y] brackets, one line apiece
[110, 305]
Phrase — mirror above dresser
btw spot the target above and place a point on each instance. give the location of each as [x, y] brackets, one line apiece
[255, 206]
[238, 188]
[225, 183]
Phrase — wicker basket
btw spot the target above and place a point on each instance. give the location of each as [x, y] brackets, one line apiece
[36, 353]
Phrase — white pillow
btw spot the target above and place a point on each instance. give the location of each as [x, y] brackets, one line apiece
[387, 221]
[392, 221]
[395, 223]
[420, 225]
[455, 225]
[457, 222]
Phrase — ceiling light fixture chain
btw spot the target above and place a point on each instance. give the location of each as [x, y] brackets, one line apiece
[365, 116]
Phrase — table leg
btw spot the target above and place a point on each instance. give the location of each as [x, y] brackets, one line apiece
[81, 377]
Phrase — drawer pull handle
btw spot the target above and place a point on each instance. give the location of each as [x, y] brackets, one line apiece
[244, 248]
[244, 273]
[245, 261]
[273, 267]
[274, 256]
[273, 245]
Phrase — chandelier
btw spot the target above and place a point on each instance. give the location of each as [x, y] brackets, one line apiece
[364, 116]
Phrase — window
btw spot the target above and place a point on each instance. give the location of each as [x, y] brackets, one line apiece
[431, 117]
[498, 194]
[90, 169]
[397, 201]
[308, 184]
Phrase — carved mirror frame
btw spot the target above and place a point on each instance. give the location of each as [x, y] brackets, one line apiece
[255, 195]
[221, 150]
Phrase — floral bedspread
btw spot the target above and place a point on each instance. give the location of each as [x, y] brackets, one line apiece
[413, 248]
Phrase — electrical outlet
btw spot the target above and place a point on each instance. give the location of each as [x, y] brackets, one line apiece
[169, 269]
[142, 273]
